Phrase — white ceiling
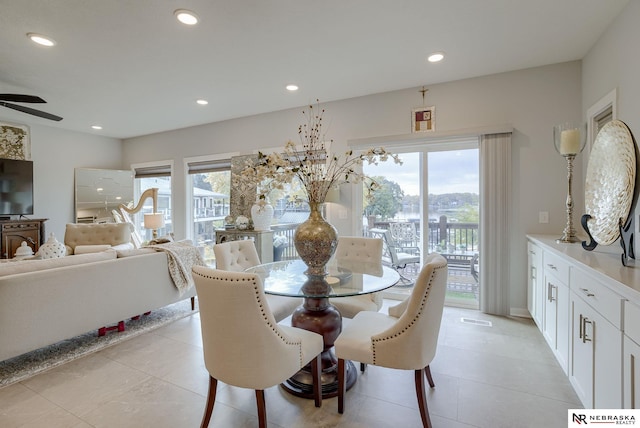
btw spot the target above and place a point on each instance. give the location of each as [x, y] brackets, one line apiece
[129, 66]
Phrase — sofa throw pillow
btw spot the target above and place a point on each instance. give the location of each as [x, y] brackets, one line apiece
[85, 249]
[135, 252]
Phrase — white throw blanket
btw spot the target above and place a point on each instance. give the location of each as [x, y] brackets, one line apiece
[181, 257]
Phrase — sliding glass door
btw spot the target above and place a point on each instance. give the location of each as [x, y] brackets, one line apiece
[430, 204]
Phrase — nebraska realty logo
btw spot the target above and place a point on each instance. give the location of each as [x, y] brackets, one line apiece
[581, 417]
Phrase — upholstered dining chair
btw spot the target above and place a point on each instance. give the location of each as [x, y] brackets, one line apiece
[239, 255]
[242, 343]
[405, 339]
[356, 249]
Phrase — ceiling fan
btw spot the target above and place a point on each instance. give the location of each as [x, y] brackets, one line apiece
[20, 98]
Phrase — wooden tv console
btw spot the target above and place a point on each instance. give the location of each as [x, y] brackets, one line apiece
[14, 232]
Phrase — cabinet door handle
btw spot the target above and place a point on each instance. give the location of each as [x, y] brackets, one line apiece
[551, 266]
[585, 321]
[587, 292]
[632, 376]
[533, 272]
[550, 288]
[581, 328]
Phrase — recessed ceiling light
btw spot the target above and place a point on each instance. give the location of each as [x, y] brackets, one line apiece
[202, 102]
[98, 127]
[186, 17]
[41, 40]
[292, 87]
[436, 57]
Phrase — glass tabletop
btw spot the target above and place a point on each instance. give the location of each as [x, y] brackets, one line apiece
[287, 278]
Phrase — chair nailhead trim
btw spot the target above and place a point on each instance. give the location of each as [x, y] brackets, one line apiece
[262, 310]
[414, 320]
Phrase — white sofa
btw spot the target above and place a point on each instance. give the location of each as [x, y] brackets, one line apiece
[45, 301]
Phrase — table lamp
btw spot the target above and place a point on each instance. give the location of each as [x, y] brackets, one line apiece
[154, 222]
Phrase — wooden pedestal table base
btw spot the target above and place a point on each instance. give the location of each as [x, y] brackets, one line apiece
[320, 316]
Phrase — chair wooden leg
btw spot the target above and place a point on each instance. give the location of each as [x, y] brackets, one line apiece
[342, 386]
[316, 372]
[193, 303]
[211, 399]
[427, 371]
[422, 398]
[262, 409]
[363, 367]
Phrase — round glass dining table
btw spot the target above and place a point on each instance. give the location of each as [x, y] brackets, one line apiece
[317, 314]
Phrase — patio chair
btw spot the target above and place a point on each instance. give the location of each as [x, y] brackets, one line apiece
[475, 268]
[396, 256]
[404, 233]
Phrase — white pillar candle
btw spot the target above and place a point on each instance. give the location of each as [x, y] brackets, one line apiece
[570, 142]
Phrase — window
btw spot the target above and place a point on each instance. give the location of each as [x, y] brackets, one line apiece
[599, 114]
[148, 176]
[209, 190]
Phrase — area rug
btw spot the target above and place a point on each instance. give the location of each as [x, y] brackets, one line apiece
[24, 366]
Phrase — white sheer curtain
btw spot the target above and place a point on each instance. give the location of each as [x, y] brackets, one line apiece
[495, 190]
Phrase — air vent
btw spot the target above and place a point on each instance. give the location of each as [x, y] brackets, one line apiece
[482, 323]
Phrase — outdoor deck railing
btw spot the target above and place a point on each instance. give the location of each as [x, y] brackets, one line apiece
[443, 236]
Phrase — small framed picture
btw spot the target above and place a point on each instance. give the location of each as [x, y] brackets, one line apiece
[14, 141]
[423, 119]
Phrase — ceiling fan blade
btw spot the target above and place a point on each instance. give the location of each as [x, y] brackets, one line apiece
[20, 98]
[32, 111]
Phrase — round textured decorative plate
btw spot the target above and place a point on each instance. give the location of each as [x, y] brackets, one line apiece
[611, 176]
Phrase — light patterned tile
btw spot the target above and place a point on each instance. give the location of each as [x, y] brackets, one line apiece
[84, 384]
[153, 403]
[485, 377]
[536, 378]
[19, 405]
[489, 406]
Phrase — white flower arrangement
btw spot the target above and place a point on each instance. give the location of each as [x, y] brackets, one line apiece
[315, 168]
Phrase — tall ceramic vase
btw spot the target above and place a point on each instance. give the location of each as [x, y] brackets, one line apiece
[316, 241]
[262, 216]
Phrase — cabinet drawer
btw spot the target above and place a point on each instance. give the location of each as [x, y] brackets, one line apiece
[598, 296]
[17, 227]
[632, 321]
[556, 266]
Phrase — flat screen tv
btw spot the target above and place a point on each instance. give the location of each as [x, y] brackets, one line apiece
[16, 187]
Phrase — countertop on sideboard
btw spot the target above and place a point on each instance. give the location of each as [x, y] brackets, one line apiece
[604, 264]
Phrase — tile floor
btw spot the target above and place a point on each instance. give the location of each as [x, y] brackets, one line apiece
[498, 376]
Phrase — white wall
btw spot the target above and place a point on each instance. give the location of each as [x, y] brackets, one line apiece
[613, 64]
[55, 154]
[532, 101]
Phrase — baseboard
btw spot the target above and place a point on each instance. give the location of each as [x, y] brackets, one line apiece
[520, 312]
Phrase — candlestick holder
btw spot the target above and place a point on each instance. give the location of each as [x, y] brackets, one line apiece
[569, 140]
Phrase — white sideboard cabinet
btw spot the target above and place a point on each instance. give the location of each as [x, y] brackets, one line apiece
[590, 319]
[631, 356]
[556, 306]
[596, 341]
[535, 282]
